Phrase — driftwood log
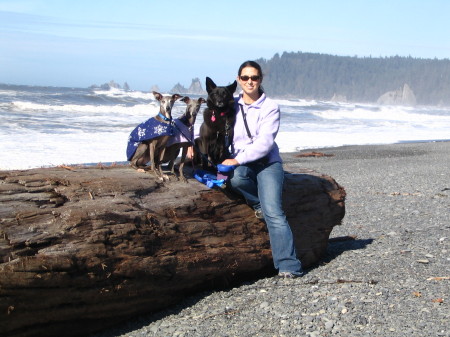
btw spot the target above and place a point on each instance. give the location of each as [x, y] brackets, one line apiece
[84, 248]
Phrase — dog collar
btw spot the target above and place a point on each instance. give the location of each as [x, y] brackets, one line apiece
[213, 117]
[164, 117]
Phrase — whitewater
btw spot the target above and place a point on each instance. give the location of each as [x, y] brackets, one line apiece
[49, 126]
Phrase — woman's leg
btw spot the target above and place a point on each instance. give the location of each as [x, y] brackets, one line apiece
[244, 182]
[270, 188]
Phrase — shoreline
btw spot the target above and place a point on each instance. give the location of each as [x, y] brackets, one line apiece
[283, 154]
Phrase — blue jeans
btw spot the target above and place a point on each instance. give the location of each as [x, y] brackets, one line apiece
[262, 187]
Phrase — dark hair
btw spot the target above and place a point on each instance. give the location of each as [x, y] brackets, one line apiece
[252, 64]
[255, 65]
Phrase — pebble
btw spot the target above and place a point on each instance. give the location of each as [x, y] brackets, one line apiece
[264, 305]
[329, 325]
[424, 261]
[401, 231]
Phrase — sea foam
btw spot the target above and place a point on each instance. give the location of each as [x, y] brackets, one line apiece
[54, 126]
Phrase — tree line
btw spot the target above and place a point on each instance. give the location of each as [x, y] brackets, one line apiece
[322, 76]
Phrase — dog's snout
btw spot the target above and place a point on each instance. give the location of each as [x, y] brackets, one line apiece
[167, 108]
[220, 102]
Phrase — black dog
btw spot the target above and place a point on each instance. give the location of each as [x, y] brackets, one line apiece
[216, 131]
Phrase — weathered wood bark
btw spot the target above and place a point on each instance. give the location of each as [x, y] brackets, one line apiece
[86, 248]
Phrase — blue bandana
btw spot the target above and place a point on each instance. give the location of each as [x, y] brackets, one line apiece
[148, 130]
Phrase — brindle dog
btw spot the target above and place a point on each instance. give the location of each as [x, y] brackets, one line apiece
[184, 135]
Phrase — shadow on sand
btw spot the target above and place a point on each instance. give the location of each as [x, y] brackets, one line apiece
[338, 245]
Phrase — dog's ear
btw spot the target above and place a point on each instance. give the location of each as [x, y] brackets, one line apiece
[157, 95]
[176, 96]
[210, 85]
[185, 99]
[232, 87]
[201, 100]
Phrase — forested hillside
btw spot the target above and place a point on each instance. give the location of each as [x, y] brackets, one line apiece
[321, 76]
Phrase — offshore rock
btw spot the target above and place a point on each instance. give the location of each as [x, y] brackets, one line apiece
[194, 89]
[402, 96]
[85, 248]
[178, 88]
[338, 98]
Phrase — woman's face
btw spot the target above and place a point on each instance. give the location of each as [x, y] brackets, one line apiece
[250, 80]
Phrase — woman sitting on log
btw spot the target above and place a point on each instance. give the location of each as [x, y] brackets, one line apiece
[259, 173]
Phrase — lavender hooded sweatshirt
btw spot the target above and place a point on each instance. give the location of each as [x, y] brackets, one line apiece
[263, 119]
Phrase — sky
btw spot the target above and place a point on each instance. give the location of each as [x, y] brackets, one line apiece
[79, 43]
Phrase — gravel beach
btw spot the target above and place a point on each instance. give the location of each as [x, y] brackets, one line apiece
[387, 271]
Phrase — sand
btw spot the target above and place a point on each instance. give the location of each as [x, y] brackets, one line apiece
[388, 274]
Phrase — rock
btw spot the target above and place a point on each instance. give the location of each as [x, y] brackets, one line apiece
[329, 325]
[339, 98]
[423, 261]
[402, 96]
[84, 248]
[155, 88]
[196, 87]
[178, 88]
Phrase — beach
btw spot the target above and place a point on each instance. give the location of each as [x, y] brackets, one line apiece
[386, 273]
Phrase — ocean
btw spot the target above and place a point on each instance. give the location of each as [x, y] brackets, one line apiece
[49, 126]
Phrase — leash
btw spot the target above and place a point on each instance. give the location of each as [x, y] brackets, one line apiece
[227, 126]
[227, 134]
[204, 156]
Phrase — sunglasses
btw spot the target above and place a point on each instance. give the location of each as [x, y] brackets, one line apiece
[254, 78]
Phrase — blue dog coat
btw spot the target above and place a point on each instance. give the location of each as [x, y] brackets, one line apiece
[148, 130]
[181, 132]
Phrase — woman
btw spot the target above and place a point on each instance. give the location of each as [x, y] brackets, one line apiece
[259, 173]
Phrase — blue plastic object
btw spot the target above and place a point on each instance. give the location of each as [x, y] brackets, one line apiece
[225, 168]
[208, 179]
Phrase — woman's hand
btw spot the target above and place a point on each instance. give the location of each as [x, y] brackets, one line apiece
[230, 162]
[190, 153]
